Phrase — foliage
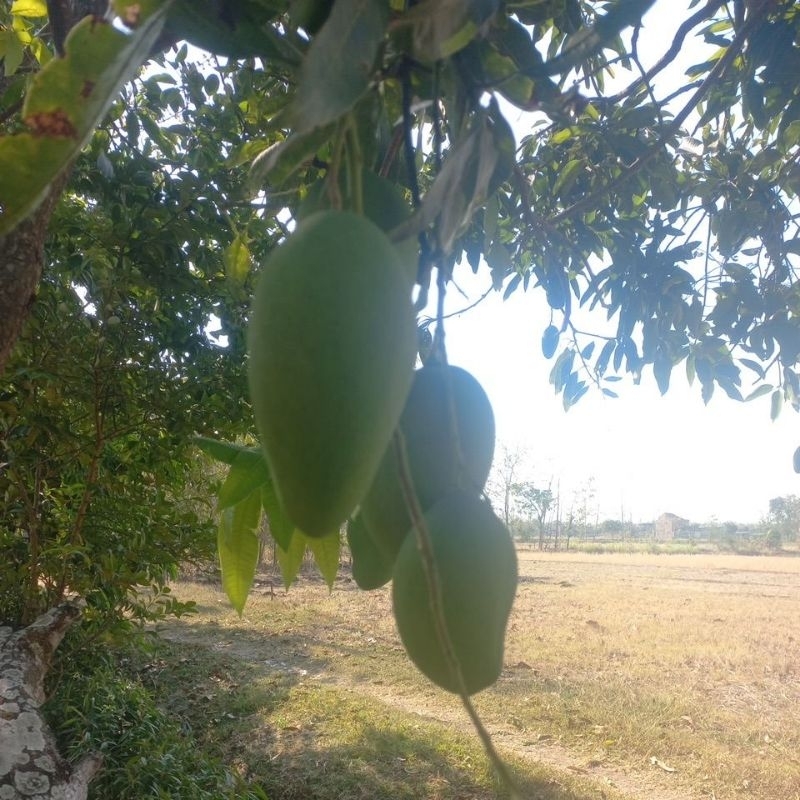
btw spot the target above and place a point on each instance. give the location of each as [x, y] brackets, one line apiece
[672, 217]
[100, 706]
[784, 518]
[117, 370]
[531, 502]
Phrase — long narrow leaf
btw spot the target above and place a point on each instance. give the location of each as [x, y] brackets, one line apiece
[238, 547]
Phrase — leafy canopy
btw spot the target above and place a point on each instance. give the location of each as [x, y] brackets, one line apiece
[661, 222]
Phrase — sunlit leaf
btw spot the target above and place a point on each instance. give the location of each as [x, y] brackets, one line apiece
[29, 8]
[248, 473]
[236, 258]
[291, 559]
[226, 452]
[280, 527]
[67, 98]
[441, 28]
[239, 547]
[326, 555]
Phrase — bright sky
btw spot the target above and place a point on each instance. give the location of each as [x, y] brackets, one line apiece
[646, 453]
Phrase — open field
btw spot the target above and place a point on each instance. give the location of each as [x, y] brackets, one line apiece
[648, 677]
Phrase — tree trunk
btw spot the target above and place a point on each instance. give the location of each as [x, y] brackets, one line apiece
[30, 764]
[21, 260]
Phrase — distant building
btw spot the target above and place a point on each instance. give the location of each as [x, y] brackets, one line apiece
[668, 526]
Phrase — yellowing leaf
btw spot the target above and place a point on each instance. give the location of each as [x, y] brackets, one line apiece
[67, 99]
[236, 258]
[29, 8]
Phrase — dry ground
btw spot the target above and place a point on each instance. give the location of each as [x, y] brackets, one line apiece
[646, 677]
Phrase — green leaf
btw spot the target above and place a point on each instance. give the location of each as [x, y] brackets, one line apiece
[326, 555]
[221, 451]
[67, 99]
[236, 258]
[338, 67]
[11, 50]
[29, 8]
[238, 547]
[278, 162]
[248, 472]
[280, 528]
[291, 559]
[441, 28]
[776, 404]
[471, 172]
[567, 175]
[765, 388]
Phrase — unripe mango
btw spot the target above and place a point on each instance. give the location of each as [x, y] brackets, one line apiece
[477, 567]
[332, 344]
[448, 428]
[371, 569]
[383, 203]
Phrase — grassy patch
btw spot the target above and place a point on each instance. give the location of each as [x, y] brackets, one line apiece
[148, 749]
[298, 737]
[643, 663]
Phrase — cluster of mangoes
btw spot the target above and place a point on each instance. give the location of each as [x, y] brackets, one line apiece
[349, 428]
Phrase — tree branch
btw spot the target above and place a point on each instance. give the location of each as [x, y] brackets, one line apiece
[30, 764]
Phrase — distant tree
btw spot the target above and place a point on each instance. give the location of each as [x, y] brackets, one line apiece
[533, 503]
[784, 516]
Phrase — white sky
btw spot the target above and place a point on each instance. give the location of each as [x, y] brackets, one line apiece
[646, 453]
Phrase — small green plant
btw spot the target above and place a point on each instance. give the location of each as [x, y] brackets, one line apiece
[147, 753]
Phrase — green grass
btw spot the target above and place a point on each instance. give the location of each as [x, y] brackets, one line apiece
[101, 705]
[302, 739]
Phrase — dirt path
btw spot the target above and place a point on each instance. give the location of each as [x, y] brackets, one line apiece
[628, 783]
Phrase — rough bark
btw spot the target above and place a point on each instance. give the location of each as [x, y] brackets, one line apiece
[21, 260]
[30, 764]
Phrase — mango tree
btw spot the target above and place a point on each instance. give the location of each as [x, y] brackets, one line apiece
[670, 213]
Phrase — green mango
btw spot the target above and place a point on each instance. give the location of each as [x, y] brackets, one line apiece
[371, 569]
[477, 567]
[383, 203]
[332, 344]
[445, 451]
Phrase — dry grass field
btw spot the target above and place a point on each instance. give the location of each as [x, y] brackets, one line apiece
[648, 677]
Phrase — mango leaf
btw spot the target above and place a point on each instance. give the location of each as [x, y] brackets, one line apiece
[338, 67]
[443, 27]
[241, 29]
[11, 51]
[280, 528]
[473, 169]
[67, 99]
[776, 404]
[29, 8]
[248, 473]
[549, 341]
[291, 558]
[238, 547]
[326, 555]
[278, 162]
[221, 451]
[236, 258]
[325, 551]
